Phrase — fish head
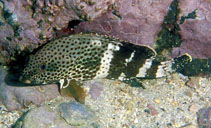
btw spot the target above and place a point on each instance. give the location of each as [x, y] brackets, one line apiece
[39, 70]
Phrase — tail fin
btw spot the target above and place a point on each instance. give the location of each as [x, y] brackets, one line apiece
[192, 67]
[160, 69]
[183, 64]
[179, 64]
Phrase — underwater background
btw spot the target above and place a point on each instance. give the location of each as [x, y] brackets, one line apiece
[171, 27]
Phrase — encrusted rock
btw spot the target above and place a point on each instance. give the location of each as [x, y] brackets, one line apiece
[16, 98]
[58, 115]
[26, 24]
[89, 9]
[76, 114]
[140, 22]
[135, 21]
[204, 117]
[196, 39]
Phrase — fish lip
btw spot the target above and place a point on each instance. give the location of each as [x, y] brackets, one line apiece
[33, 82]
[26, 81]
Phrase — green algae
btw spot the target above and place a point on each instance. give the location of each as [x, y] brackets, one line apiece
[191, 15]
[17, 29]
[134, 82]
[197, 67]
[192, 67]
[180, 63]
[169, 36]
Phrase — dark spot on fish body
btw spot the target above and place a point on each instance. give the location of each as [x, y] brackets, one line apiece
[43, 67]
[86, 47]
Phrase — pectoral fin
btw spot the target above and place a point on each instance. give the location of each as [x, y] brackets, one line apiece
[73, 89]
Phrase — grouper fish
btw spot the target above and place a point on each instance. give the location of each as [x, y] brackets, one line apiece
[83, 57]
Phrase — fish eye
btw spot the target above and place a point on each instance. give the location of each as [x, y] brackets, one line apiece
[43, 67]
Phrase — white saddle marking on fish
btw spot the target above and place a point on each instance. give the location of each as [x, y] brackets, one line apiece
[143, 70]
[164, 69]
[105, 61]
[130, 58]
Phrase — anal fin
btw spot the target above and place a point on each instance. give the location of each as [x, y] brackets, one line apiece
[72, 88]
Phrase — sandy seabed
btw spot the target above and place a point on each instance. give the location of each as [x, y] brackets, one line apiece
[164, 103]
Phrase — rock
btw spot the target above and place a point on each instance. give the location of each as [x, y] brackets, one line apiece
[204, 117]
[141, 21]
[120, 105]
[134, 21]
[96, 88]
[16, 97]
[27, 24]
[193, 82]
[194, 108]
[76, 114]
[196, 41]
[42, 117]
[89, 9]
[58, 115]
[152, 109]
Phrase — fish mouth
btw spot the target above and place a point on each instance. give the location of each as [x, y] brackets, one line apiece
[12, 79]
[28, 82]
[33, 82]
[25, 81]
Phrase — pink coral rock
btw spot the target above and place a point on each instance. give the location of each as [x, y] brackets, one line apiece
[134, 21]
[89, 9]
[140, 22]
[195, 32]
[16, 98]
[31, 23]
